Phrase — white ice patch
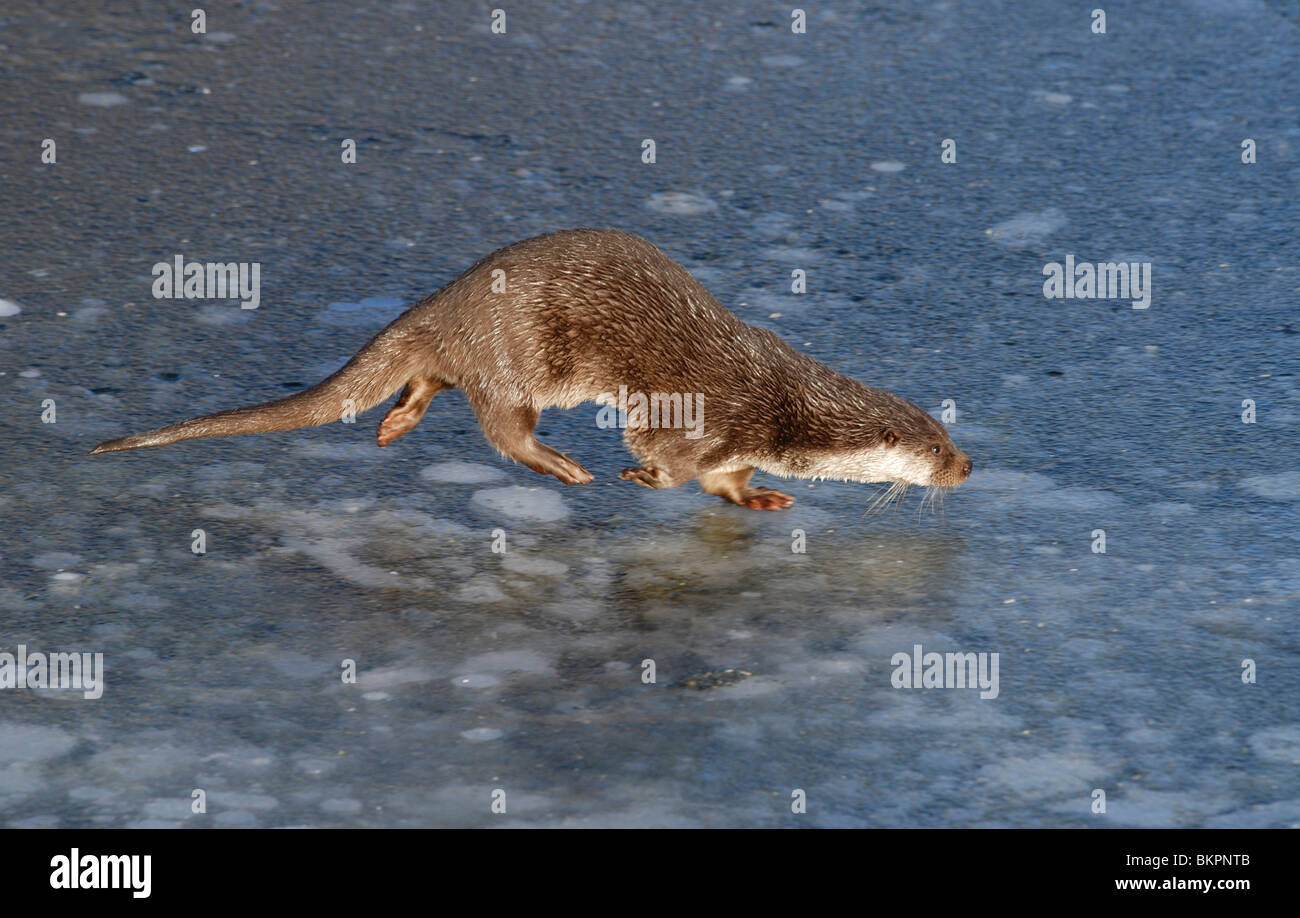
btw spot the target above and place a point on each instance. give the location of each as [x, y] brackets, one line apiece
[89, 313]
[461, 473]
[775, 225]
[1165, 509]
[680, 203]
[341, 806]
[1052, 98]
[888, 165]
[24, 743]
[55, 560]
[1033, 490]
[793, 255]
[335, 555]
[1282, 486]
[481, 589]
[102, 99]
[169, 808]
[1029, 228]
[480, 734]
[9, 308]
[524, 503]
[511, 661]
[1279, 744]
[213, 314]
[539, 566]
[1050, 775]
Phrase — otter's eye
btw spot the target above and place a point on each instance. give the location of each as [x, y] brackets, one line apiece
[936, 449]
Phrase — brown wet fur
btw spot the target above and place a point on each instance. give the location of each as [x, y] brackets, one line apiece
[585, 311]
[410, 408]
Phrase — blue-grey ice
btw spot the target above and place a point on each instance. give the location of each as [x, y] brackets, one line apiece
[1277, 486]
[461, 473]
[1052, 98]
[1028, 229]
[102, 99]
[681, 203]
[533, 503]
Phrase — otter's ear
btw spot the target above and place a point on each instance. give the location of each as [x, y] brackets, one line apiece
[890, 436]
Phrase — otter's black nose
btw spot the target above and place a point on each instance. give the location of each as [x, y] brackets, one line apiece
[966, 467]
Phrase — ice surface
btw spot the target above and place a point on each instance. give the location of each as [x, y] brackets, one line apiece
[580, 648]
[1279, 486]
[1028, 229]
[461, 473]
[681, 203]
[102, 99]
[523, 503]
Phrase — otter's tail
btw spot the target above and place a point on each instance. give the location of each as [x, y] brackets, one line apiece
[376, 371]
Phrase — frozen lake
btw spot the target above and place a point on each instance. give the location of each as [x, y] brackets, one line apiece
[482, 671]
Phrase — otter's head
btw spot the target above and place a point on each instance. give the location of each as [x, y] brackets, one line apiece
[893, 440]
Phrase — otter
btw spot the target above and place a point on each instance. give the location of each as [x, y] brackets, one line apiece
[573, 316]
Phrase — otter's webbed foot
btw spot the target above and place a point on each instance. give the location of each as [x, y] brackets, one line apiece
[650, 476]
[734, 486]
[410, 408]
[542, 459]
[764, 499]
